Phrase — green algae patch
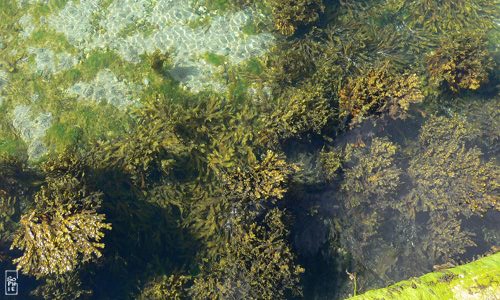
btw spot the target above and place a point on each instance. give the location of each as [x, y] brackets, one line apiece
[98, 60]
[250, 28]
[11, 146]
[476, 280]
[215, 59]
[218, 5]
[254, 66]
[81, 124]
[203, 22]
[63, 136]
[45, 9]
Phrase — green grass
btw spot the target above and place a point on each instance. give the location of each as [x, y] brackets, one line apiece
[75, 123]
[78, 123]
[81, 123]
[478, 280]
[72, 75]
[10, 144]
[105, 4]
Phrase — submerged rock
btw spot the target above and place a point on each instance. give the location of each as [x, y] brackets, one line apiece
[48, 62]
[3, 79]
[32, 129]
[106, 87]
[26, 22]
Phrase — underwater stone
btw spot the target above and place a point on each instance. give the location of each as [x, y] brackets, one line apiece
[26, 23]
[167, 12]
[105, 88]
[31, 129]
[120, 14]
[48, 62]
[34, 98]
[22, 3]
[66, 61]
[44, 60]
[3, 82]
[4, 78]
[75, 21]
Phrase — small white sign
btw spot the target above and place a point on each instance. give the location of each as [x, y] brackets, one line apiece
[11, 284]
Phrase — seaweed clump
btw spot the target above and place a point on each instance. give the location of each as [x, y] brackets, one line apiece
[13, 189]
[12, 170]
[255, 263]
[264, 180]
[485, 117]
[17, 183]
[451, 182]
[61, 287]
[172, 287]
[331, 163]
[411, 220]
[461, 62]
[149, 150]
[290, 14]
[301, 110]
[448, 15]
[371, 179]
[370, 172]
[451, 176]
[205, 164]
[379, 90]
[63, 228]
[293, 62]
[8, 212]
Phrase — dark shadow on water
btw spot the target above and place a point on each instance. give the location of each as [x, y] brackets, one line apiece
[146, 241]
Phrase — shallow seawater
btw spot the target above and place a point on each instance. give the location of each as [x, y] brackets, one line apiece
[235, 149]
